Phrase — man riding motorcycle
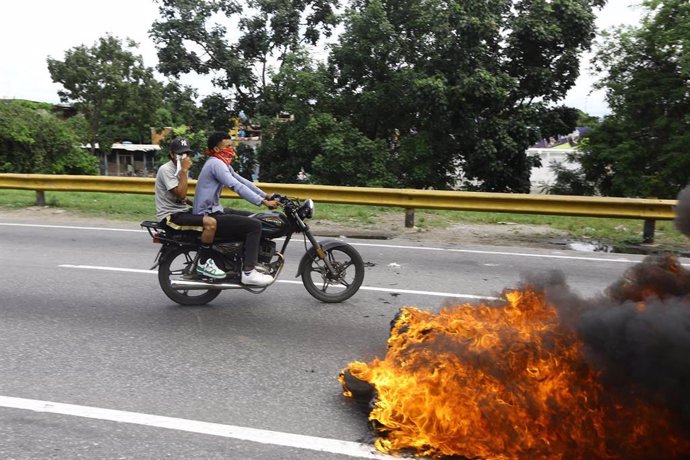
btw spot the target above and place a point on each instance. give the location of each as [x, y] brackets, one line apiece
[173, 208]
[216, 174]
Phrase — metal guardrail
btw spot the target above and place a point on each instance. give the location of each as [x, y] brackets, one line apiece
[564, 205]
[650, 210]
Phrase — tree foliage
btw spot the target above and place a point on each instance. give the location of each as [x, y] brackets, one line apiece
[111, 87]
[35, 141]
[332, 151]
[475, 79]
[641, 149]
[193, 35]
[216, 111]
[179, 107]
[420, 89]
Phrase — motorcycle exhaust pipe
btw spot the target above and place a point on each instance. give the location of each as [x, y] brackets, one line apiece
[189, 285]
[201, 285]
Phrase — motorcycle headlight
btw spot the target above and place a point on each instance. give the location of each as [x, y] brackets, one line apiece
[306, 211]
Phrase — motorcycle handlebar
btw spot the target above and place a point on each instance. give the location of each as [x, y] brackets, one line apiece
[284, 200]
[278, 197]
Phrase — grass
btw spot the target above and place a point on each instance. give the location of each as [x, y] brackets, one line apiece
[135, 208]
[132, 207]
[617, 232]
[118, 206]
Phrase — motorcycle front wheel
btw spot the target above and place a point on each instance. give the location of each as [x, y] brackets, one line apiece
[178, 264]
[337, 285]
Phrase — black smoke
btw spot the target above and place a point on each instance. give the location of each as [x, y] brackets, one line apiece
[637, 333]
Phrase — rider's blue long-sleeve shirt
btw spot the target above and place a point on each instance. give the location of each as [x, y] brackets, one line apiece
[213, 177]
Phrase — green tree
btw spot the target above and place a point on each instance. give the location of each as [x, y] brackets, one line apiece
[245, 160]
[427, 88]
[192, 36]
[35, 141]
[217, 112]
[111, 87]
[331, 151]
[587, 120]
[641, 149]
[180, 101]
[459, 85]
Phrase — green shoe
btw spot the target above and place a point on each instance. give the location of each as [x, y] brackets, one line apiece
[210, 269]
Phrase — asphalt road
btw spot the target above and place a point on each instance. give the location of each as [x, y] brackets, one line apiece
[84, 327]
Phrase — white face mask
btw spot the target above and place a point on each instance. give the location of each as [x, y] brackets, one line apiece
[179, 163]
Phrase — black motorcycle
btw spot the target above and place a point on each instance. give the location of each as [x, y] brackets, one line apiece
[331, 270]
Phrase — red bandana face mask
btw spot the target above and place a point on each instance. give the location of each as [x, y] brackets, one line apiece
[225, 155]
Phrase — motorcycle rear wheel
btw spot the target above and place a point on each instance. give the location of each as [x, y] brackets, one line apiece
[178, 264]
[338, 286]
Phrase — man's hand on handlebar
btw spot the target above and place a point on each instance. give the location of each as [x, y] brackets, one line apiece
[270, 204]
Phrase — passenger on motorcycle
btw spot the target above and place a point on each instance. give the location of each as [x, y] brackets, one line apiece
[173, 208]
[216, 174]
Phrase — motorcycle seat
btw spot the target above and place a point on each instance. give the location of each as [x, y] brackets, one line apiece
[162, 231]
[157, 227]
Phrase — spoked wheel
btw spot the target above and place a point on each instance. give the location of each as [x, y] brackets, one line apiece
[179, 265]
[339, 285]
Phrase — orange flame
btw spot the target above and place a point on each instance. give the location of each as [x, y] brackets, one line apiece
[503, 382]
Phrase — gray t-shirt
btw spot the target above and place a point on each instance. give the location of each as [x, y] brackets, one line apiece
[213, 177]
[166, 201]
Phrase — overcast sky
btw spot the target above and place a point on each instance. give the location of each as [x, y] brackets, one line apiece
[32, 30]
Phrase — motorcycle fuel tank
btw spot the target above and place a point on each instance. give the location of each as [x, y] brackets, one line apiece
[273, 224]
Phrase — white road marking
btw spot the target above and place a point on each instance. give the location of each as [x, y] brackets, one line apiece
[111, 269]
[391, 246]
[499, 253]
[72, 227]
[363, 288]
[275, 438]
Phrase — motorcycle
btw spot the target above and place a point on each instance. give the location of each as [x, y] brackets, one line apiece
[331, 270]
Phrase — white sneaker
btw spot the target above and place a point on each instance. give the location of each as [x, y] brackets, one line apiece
[210, 269]
[255, 278]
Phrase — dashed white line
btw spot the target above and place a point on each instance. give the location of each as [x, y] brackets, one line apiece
[275, 438]
[363, 288]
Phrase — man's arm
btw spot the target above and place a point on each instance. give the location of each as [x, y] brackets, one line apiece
[228, 179]
[271, 204]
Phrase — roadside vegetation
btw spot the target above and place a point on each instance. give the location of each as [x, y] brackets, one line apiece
[135, 208]
[457, 87]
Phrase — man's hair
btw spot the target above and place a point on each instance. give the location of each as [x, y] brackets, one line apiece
[215, 137]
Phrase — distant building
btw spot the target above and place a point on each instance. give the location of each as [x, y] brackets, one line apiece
[572, 139]
[132, 159]
[127, 159]
[544, 175]
[158, 135]
[64, 111]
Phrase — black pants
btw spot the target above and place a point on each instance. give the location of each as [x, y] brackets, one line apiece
[238, 224]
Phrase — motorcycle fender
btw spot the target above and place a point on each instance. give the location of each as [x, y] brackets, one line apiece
[163, 253]
[311, 253]
[157, 261]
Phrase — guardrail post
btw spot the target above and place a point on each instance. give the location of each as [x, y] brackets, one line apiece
[648, 231]
[409, 217]
[40, 198]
